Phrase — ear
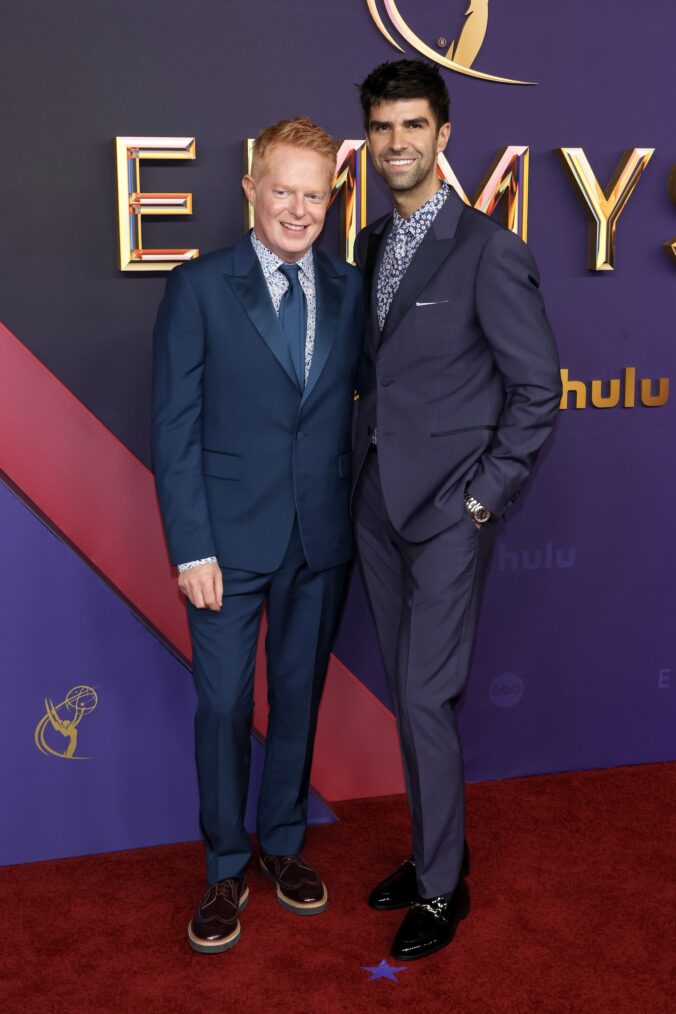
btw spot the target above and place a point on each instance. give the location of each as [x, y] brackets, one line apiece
[249, 188]
[443, 136]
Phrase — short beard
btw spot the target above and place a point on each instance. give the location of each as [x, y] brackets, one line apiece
[401, 186]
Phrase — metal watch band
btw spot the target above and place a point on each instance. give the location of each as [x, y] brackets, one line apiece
[480, 513]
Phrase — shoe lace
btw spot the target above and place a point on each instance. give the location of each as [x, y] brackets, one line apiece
[229, 888]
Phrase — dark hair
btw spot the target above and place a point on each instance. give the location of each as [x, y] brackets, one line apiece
[405, 79]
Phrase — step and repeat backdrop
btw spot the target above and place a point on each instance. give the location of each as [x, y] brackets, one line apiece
[125, 136]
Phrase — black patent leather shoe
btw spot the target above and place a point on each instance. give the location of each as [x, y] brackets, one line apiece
[400, 889]
[430, 924]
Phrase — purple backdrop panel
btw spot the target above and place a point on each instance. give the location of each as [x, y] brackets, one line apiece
[574, 653]
[575, 644]
[62, 628]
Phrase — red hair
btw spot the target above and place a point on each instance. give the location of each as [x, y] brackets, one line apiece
[300, 133]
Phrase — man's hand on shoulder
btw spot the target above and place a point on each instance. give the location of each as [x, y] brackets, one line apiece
[203, 586]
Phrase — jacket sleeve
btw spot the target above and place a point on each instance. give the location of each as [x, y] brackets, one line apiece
[178, 368]
[513, 318]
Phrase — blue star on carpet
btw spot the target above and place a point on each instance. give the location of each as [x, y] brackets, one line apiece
[383, 971]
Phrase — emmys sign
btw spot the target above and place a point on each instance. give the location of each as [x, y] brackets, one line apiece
[505, 185]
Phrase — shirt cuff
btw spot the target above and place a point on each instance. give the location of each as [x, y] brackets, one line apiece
[196, 563]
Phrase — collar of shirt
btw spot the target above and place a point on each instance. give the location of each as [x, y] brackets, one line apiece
[422, 218]
[270, 261]
[278, 285]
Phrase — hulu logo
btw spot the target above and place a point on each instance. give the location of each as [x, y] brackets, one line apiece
[547, 558]
[626, 391]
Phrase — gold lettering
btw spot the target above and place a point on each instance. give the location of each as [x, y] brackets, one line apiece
[133, 204]
[630, 387]
[610, 400]
[445, 172]
[604, 207]
[670, 246]
[248, 206]
[651, 400]
[350, 182]
[507, 178]
[615, 395]
[577, 387]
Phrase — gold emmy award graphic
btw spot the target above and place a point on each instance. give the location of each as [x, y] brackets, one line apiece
[64, 718]
[460, 55]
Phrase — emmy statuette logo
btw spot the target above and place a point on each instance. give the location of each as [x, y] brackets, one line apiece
[460, 54]
[56, 732]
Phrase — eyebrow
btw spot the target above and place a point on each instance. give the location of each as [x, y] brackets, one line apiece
[422, 120]
[311, 193]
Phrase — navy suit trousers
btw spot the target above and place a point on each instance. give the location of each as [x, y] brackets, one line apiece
[303, 608]
[425, 598]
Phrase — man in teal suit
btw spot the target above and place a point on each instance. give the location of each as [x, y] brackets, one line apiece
[256, 354]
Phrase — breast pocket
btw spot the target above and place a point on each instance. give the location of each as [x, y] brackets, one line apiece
[432, 322]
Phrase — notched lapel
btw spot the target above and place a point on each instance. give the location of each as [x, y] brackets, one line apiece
[251, 290]
[428, 258]
[374, 256]
[371, 256]
[329, 289]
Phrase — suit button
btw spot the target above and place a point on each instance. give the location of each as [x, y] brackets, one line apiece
[386, 381]
[299, 435]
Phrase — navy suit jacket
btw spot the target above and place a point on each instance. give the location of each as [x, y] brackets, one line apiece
[466, 385]
[238, 448]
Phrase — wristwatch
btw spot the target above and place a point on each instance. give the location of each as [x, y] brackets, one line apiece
[479, 513]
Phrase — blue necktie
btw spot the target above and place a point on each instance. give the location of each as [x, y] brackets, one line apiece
[293, 319]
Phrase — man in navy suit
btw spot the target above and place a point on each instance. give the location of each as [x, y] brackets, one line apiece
[465, 391]
[256, 353]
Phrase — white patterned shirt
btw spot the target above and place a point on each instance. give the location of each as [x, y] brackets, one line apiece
[403, 240]
[277, 284]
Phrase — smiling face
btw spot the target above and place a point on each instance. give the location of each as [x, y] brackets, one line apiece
[404, 142]
[290, 192]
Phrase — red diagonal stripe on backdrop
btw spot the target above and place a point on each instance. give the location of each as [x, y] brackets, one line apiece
[102, 498]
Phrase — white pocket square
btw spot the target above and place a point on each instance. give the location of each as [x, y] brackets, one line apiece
[435, 302]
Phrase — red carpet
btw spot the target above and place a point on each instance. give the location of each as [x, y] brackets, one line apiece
[573, 911]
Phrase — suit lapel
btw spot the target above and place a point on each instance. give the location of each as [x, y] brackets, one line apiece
[329, 291]
[428, 258]
[248, 284]
[376, 249]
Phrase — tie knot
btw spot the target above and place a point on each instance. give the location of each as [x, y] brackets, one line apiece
[290, 272]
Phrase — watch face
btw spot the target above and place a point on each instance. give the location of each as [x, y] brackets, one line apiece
[482, 515]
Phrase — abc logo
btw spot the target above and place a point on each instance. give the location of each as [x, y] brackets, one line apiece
[506, 690]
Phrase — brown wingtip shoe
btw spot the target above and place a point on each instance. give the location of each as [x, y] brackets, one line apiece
[215, 926]
[299, 887]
